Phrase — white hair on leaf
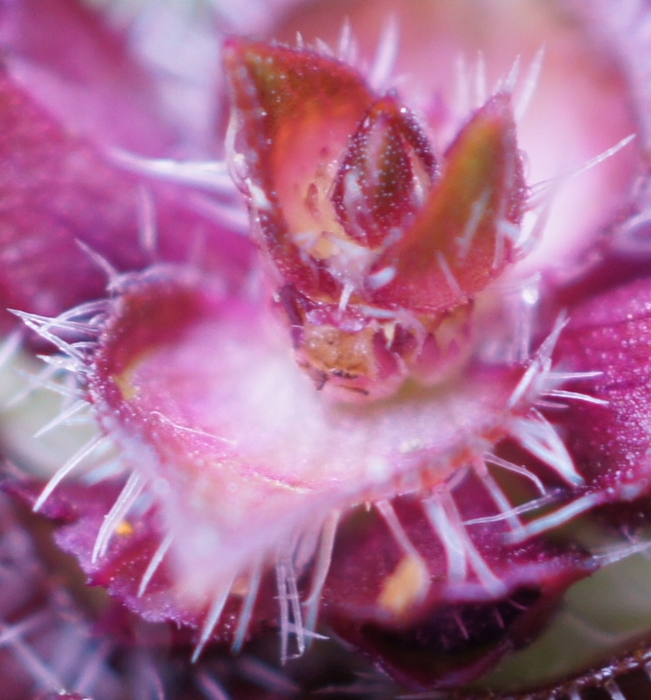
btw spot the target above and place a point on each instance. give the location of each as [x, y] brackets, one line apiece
[248, 604]
[212, 618]
[96, 444]
[127, 498]
[154, 563]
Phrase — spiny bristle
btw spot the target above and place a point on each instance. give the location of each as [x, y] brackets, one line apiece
[471, 84]
[603, 156]
[631, 236]
[127, 498]
[500, 243]
[147, 224]
[291, 617]
[347, 50]
[520, 302]
[11, 632]
[184, 428]
[576, 396]
[64, 417]
[95, 444]
[542, 188]
[523, 509]
[558, 376]
[90, 310]
[528, 383]
[346, 293]
[321, 568]
[557, 518]
[574, 693]
[511, 232]
[69, 652]
[104, 470]
[397, 530]
[551, 383]
[92, 666]
[212, 176]
[498, 496]
[71, 660]
[452, 539]
[102, 263]
[532, 383]
[471, 91]
[324, 48]
[445, 519]
[210, 687]
[230, 214]
[529, 84]
[154, 563]
[10, 346]
[146, 677]
[510, 80]
[516, 469]
[538, 437]
[248, 604]
[43, 325]
[535, 220]
[623, 551]
[611, 687]
[40, 672]
[477, 211]
[212, 619]
[62, 364]
[462, 86]
[34, 382]
[480, 80]
[381, 70]
[53, 646]
[84, 320]
[450, 278]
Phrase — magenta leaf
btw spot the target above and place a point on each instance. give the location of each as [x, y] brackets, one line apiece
[607, 432]
[81, 69]
[57, 192]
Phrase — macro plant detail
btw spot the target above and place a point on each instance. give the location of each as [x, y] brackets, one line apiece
[365, 284]
[348, 373]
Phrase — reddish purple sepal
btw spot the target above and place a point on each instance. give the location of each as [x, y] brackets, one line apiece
[460, 628]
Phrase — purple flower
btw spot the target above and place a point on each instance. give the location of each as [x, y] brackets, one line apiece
[357, 338]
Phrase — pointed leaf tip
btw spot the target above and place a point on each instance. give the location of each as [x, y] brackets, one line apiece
[458, 243]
